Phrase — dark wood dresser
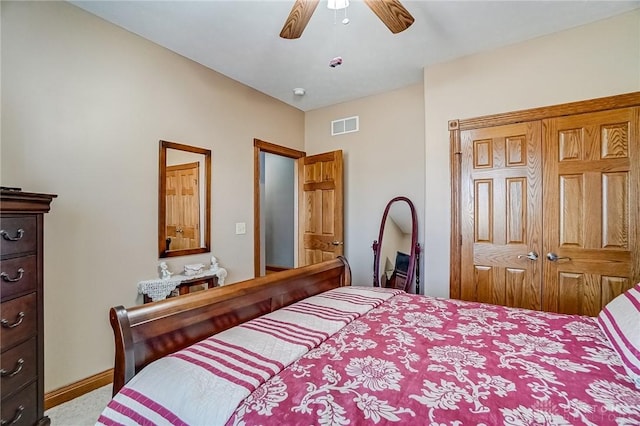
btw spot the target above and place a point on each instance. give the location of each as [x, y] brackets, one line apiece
[21, 294]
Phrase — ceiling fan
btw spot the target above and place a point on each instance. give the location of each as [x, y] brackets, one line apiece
[390, 12]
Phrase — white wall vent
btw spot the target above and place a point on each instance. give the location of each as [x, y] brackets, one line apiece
[345, 125]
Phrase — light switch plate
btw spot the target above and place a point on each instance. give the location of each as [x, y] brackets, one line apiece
[241, 228]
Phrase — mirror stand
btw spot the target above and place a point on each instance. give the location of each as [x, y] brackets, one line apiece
[416, 252]
[396, 252]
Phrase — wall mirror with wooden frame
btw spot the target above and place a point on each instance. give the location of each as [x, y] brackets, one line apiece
[396, 251]
[184, 200]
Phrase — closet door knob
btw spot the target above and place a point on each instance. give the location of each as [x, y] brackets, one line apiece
[532, 255]
[554, 257]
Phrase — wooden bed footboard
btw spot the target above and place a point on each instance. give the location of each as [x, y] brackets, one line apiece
[148, 332]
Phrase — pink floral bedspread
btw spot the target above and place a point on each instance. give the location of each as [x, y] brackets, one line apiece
[431, 361]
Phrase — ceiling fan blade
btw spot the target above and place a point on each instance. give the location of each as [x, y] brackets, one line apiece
[392, 14]
[298, 18]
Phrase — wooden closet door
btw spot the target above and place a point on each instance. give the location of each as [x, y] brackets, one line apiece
[501, 197]
[591, 186]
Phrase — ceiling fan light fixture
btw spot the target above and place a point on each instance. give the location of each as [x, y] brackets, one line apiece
[391, 12]
[337, 4]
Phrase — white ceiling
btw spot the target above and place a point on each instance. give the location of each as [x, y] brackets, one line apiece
[240, 39]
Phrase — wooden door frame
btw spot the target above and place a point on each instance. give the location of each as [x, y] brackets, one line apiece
[534, 114]
[267, 147]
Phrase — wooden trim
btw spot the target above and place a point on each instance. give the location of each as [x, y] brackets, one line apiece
[256, 210]
[277, 149]
[274, 268]
[456, 235]
[79, 388]
[162, 201]
[263, 146]
[300, 216]
[535, 114]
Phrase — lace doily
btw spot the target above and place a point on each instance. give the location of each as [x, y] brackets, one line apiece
[159, 289]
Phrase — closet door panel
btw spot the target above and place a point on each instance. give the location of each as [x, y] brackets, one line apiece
[611, 287]
[502, 199]
[579, 294]
[592, 181]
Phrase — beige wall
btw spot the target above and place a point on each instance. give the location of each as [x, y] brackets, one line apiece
[383, 160]
[591, 61]
[84, 105]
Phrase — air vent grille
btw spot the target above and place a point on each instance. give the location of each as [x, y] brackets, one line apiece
[345, 125]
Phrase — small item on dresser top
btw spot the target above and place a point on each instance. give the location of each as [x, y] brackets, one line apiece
[193, 269]
[215, 269]
[214, 264]
[221, 273]
[165, 274]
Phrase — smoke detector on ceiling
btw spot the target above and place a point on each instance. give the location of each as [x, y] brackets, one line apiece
[299, 91]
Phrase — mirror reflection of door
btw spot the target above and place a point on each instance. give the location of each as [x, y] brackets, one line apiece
[279, 202]
[183, 221]
[183, 195]
[396, 244]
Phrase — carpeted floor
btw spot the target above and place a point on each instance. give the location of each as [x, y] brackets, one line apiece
[82, 411]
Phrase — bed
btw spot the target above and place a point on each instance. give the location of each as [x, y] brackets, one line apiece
[306, 347]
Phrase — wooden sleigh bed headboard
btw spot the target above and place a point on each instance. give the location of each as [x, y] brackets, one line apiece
[148, 332]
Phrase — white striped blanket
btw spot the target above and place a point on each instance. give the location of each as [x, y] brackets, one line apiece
[204, 383]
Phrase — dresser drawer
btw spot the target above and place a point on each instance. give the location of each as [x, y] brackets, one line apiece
[19, 320]
[18, 275]
[21, 407]
[18, 367]
[18, 234]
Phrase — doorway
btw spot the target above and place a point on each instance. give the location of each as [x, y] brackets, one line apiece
[318, 205]
[279, 201]
[275, 206]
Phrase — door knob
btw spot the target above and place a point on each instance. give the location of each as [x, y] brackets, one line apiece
[554, 257]
[532, 255]
[337, 243]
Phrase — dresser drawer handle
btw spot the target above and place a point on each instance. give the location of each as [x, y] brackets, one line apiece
[16, 369]
[5, 276]
[16, 417]
[18, 236]
[18, 321]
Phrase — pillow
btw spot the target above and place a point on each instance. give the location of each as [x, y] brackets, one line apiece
[620, 321]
